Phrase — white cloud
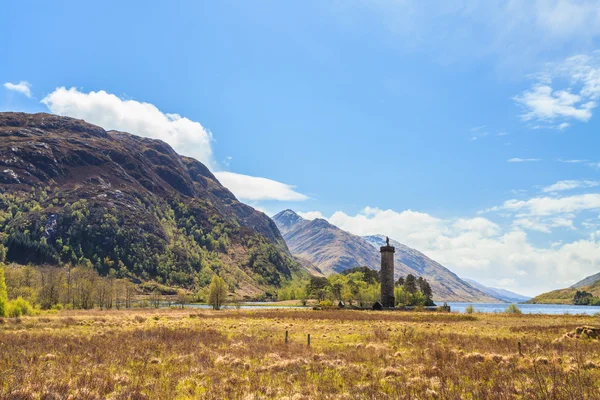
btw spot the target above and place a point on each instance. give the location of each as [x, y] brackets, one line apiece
[310, 215]
[22, 87]
[520, 160]
[546, 206]
[187, 137]
[143, 119]
[532, 224]
[479, 248]
[579, 77]
[543, 224]
[254, 188]
[542, 103]
[569, 185]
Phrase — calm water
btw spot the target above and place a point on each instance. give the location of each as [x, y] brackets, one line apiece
[244, 306]
[527, 308]
[556, 309]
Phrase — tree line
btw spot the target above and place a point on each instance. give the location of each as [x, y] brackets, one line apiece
[358, 286]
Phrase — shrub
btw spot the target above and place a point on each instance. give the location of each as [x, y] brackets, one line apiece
[469, 309]
[513, 309]
[19, 307]
[326, 303]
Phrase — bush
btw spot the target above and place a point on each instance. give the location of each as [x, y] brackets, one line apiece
[469, 309]
[19, 307]
[513, 309]
[326, 303]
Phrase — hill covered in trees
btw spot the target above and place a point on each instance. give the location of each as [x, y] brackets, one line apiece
[73, 193]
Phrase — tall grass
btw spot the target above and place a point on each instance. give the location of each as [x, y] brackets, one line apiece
[233, 354]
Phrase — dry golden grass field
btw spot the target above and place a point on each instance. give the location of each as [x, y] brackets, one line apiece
[239, 354]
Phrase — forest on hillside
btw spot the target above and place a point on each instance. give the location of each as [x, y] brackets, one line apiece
[174, 248]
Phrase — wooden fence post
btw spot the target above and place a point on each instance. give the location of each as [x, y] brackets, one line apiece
[286, 337]
[309, 339]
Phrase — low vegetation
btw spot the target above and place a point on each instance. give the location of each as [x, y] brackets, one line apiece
[183, 354]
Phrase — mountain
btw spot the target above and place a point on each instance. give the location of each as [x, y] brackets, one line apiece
[73, 192]
[591, 284]
[326, 246]
[502, 294]
[590, 280]
[334, 250]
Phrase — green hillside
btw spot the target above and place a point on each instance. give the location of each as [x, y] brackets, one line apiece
[565, 296]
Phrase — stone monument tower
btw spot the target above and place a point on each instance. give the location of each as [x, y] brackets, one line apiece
[387, 274]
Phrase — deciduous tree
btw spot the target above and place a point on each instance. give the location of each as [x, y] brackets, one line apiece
[217, 292]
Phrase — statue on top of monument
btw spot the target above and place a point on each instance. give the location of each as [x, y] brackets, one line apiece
[387, 241]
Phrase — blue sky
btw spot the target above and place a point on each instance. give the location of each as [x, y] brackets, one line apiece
[446, 125]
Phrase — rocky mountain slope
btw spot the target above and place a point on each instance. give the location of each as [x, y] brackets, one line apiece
[73, 192]
[334, 250]
[590, 280]
[324, 245]
[502, 294]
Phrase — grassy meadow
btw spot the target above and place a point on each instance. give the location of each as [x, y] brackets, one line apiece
[231, 354]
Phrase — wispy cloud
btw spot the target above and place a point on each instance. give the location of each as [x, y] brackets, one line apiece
[572, 161]
[522, 160]
[547, 206]
[478, 132]
[543, 225]
[22, 87]
[570, 185]
[564, 125]
[517, 33]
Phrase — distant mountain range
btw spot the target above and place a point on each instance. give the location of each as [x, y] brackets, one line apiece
[502, 294]
[333, 250]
